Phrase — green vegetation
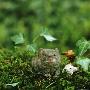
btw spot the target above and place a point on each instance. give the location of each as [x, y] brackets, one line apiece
[27, 25]
[16, 69]
[67, 20]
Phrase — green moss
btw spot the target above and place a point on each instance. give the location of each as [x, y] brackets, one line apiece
[16, 67]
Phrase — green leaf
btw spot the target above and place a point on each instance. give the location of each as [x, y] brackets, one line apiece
[44, 32]
[32, 48]
[47, 36]
[13, 84]
[83, 45]
[70, 88]
[18, 39]
[84, 63]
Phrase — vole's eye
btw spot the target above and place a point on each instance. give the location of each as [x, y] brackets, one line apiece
[54, 54]
[45, 55]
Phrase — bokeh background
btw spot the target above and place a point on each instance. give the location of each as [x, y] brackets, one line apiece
[66, 20]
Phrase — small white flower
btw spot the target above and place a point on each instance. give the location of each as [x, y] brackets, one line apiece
[70, 69]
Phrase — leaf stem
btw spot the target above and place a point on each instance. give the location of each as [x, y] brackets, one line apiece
[50, 84]
[35, 38]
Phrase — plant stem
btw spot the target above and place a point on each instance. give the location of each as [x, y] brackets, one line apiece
[35, 38]
[50, 84]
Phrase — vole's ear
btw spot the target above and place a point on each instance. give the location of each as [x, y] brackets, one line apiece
[56, 49]
[40, 51]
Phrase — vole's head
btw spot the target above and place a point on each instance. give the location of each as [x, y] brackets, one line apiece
[51, 55]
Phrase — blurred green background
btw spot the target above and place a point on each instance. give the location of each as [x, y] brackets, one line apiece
[66, 20]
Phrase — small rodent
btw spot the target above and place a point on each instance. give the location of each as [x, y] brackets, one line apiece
[47, 62]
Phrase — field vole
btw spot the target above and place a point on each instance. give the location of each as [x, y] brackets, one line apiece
[47, 62]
